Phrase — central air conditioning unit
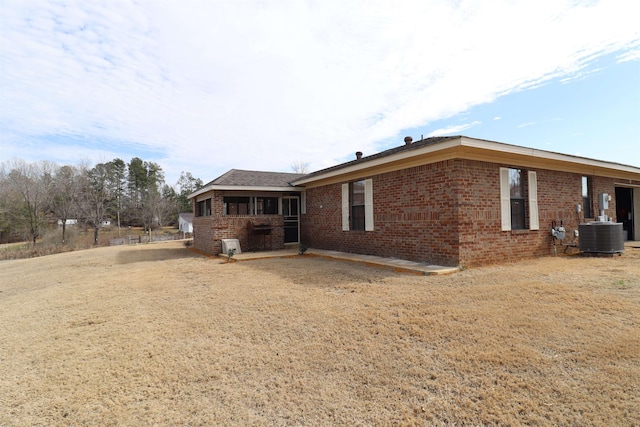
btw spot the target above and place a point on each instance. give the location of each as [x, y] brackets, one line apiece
[601, 237]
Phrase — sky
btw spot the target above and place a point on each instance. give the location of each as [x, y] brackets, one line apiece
[208, 86]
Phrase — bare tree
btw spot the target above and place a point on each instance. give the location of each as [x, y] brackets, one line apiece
[30, 185]
[36, 195]
[298, 166]
[65, 197]
[94, 197]
[9, 201]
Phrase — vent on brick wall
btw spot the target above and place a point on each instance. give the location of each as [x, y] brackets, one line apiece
[231, 244]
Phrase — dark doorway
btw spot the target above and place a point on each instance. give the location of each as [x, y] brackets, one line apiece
[624, 210]
[291, 219]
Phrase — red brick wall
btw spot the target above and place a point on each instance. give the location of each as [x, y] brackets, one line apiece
[481, 237]
[208, 231]
[414, 216]
[448, 213]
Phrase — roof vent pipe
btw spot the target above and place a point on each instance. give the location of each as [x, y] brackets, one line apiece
[358, 155]
[408, 140]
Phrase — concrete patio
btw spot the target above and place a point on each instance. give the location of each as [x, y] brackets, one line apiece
[394, 264]
[390, 263]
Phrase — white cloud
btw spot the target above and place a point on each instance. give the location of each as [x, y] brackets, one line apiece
[215, 85]
[524, 125]
[453, 130]
[630, 55]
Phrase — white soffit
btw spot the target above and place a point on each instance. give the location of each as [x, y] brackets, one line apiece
[545, 155]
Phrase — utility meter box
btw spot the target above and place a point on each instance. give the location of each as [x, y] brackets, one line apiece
[559, 232]
[604, 201]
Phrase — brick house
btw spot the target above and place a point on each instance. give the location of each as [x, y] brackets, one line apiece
[445, 200]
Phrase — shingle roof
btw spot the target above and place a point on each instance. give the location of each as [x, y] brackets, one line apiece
[394, 150]
[281, 180]
[245, 178]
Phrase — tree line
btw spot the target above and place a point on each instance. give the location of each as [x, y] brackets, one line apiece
[35, 197]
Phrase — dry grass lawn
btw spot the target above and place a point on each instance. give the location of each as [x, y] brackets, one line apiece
[158, 335]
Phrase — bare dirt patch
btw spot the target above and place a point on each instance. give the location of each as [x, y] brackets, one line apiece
[156, 334]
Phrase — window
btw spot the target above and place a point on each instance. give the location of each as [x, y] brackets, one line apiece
[356, 202]
[586, 197]
[266, 205]
[357, 205]
[516, 193]
[203, 207]
[236, 205]
[518, 196]
[250, 205]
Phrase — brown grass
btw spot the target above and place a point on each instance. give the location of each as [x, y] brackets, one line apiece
[77, 239]
[158, 335]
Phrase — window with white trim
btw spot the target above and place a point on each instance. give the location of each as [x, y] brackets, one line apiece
[516, 194]
[586, 197]
[519, 199]
[357, 205]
